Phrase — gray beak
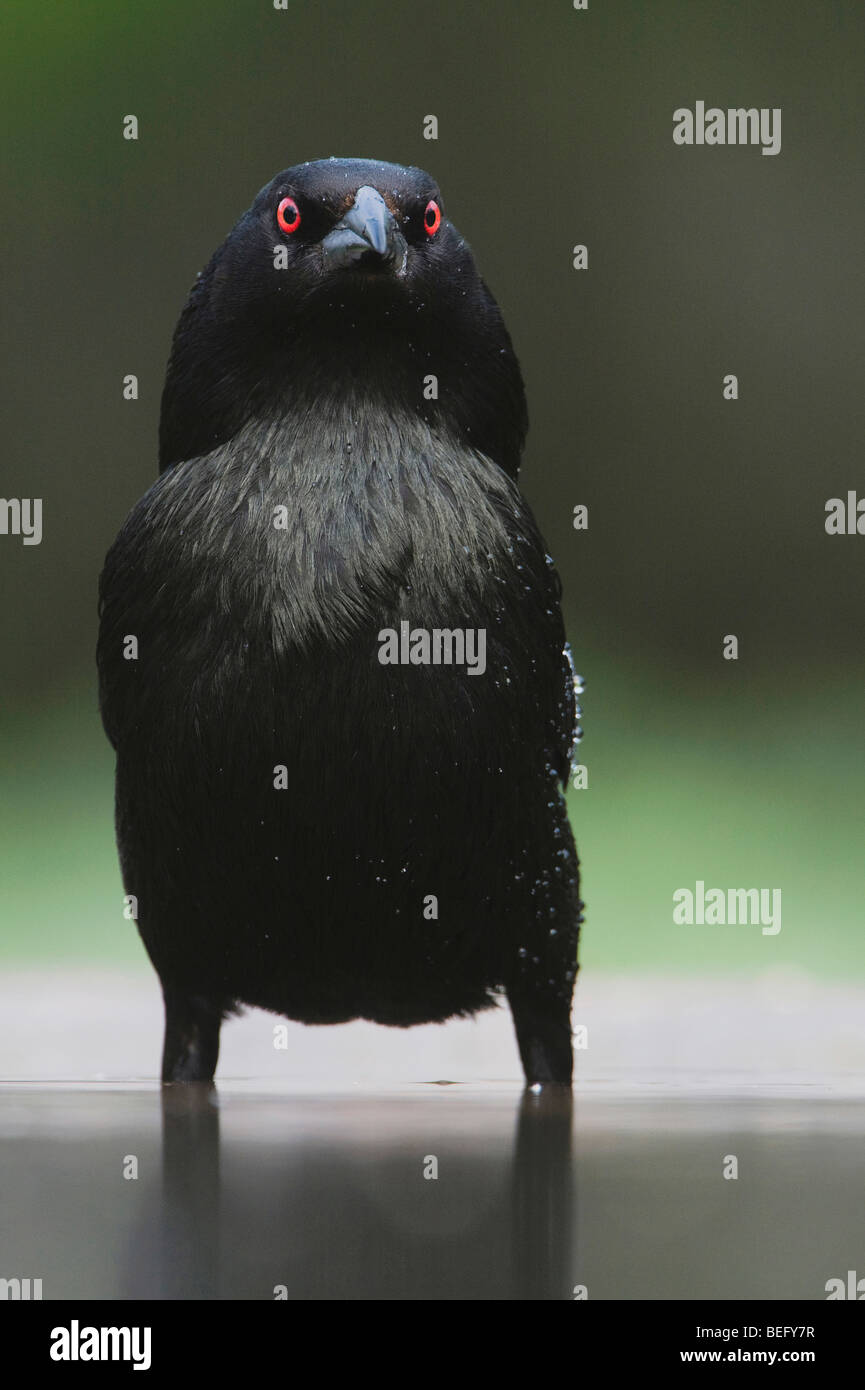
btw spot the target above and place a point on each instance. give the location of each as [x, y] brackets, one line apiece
[367, 229]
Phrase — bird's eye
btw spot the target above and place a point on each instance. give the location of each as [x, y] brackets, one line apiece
[288, 215]
[432, 217]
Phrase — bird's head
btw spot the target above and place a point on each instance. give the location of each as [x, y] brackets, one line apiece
[343, 272]
[338, 216]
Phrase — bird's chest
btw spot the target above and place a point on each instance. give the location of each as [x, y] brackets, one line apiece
[328, 615]
[383, 577]
[349, 547]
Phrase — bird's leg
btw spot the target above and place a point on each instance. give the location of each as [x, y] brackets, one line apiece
[542, 1022]
[191, 1045]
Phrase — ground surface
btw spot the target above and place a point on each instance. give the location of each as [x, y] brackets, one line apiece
[306, 1168]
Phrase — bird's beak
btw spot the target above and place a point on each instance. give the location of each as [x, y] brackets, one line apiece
[368, 229]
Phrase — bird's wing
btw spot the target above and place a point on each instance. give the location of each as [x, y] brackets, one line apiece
[565, 717]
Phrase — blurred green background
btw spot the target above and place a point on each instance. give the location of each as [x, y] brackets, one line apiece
[705, 516]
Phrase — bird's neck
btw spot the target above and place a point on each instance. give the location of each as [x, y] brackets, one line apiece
[348, 420]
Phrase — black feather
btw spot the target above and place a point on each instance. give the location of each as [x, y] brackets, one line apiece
[303, 389]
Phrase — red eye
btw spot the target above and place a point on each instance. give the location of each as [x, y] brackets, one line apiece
[432, 217]
[288, 215]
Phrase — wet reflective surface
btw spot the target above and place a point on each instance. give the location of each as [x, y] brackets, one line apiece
[324, 1194]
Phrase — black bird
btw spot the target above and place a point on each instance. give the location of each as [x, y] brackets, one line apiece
[307, 824]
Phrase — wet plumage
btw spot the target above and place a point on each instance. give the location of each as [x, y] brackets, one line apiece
[414, 858]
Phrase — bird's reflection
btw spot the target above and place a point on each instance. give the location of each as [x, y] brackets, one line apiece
[191, 1217]
[543, 1209]
[333, 1198]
